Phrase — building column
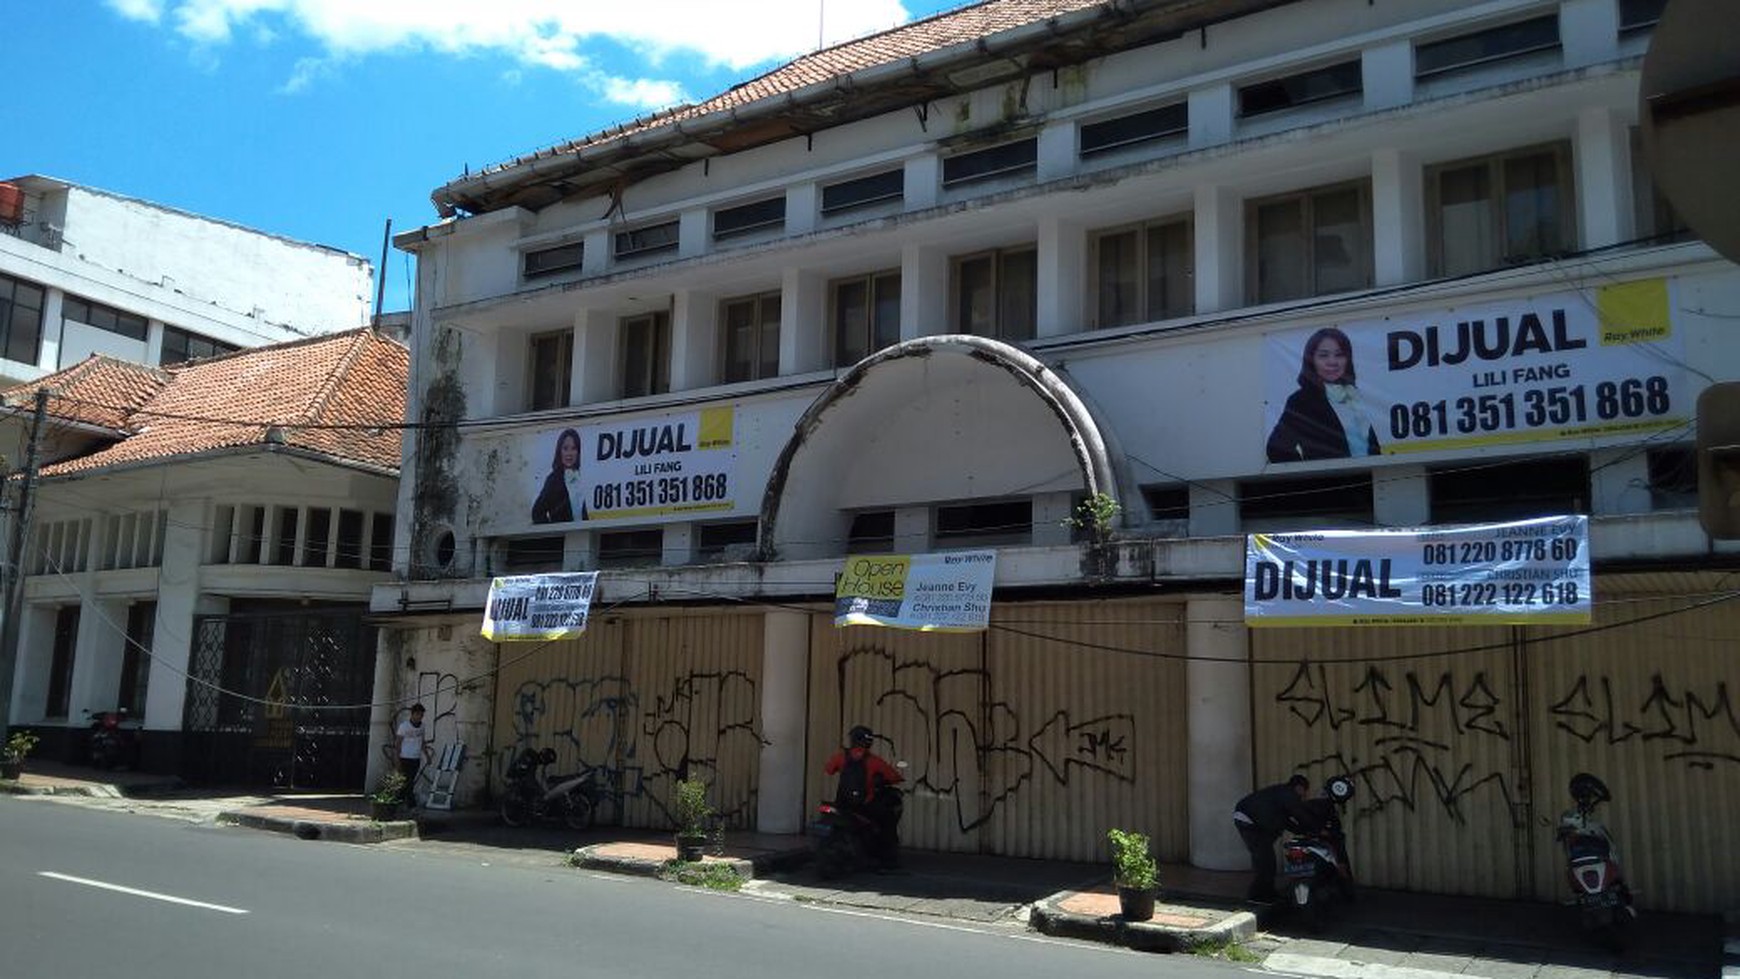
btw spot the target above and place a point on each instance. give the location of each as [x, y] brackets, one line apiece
[803, 205]
[1401, 497]
[694, 339]
[923, 181]
[388, 646]
[1211, 115]
[1214, 508]
[693, 227]
[1220, 267]
[1398, 207]
[172, 637]
[594, 357]
[1056, 150]
[1051, 513]
[1218, 687]
[678, 544]
[1603, 162]
[1388, 71]
[803, 322]
[924, 292]
[785, 669]
[53, 331]
[96, 675]
[1062, 259]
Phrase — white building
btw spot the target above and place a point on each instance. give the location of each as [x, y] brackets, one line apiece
[929, 289]
[203, 542]
[85, 271]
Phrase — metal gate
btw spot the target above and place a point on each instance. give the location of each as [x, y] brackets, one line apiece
[1031, 739]
[279, 699]
[645, 698]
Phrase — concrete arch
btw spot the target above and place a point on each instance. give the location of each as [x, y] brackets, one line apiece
[1007, 424]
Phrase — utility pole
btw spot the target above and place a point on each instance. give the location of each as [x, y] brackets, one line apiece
[14, 568]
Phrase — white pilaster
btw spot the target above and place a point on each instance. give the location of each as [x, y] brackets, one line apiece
[1211, 115]
[1603, 160]
[1400, 497]
[1219, 243]
[911, 530]
[803, 205]
[803, 322]
[1388, 72]
[1062, 281]
[1589, 31]
[595, 255]
[1057, 150]
[785, 668]
[1051, 511]
[595, 349]
[1214, 510]
[1398, 205]
[924, 292]
[694, 340]
[679, 544]
[693, 233]
[1218, 688]
[923, 181]
[177, 603]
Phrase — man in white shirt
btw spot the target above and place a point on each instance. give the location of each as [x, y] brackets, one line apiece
[413, 749]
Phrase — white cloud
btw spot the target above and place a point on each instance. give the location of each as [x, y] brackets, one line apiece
[641, 93]
[306, 73]
[546, 33]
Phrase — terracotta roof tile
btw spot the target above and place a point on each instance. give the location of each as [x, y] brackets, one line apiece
[98, 390]
[351, 378]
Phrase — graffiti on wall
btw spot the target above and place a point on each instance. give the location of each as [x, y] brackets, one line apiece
[962, 743]
[641, 741]
[1696, 728]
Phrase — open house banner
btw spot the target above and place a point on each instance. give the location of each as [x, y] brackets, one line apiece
[1524, 572]
[651, 468]
[948, 592]
[1590, 362]
[536, 607]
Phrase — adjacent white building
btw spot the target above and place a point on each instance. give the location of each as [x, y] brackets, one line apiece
[931, 289]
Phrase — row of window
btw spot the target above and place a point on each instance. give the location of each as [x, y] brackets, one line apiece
[21, 305]
[135, 659]
[1484, 213]
[309, 537]
[1433, 58]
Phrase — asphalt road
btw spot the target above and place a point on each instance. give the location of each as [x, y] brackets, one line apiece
[88, 893]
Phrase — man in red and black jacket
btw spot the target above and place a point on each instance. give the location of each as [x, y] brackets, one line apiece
[863, 781]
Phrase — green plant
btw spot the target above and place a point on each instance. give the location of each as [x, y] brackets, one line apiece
[21, 743]
[1097, 513]
[1224, 948]
[1132, 865]
[689, 807]
[390, 789]
[713, 876]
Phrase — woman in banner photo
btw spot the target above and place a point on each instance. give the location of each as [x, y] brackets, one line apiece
[562, 500]
[1326, 417]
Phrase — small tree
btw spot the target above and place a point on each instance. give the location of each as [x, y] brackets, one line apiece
[1095, 515]
[21, 743]
[689, 808]
[1132, 865]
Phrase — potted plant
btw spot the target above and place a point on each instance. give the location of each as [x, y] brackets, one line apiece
[389, 792]
[12, 756]
[1135, 873]
[691, 812]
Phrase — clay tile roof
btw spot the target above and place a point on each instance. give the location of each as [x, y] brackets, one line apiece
[98, 390]
[907, 41]
[233, 400]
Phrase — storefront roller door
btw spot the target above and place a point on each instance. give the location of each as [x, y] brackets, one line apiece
[1646, 702]
[1429, 722]
[644, 698]
[1031, 739]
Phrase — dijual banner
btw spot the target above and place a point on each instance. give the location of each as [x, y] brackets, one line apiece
[1593, 362]
[665, 466]
[532, 607]
[1525, 572]
[948, 592]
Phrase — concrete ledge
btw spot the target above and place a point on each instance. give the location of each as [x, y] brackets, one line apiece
[1173, 929]
[354, 831]
[647, 859]
[90, 790]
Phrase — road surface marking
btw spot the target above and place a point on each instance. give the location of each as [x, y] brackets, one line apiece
[139, 893]
[1328, 968]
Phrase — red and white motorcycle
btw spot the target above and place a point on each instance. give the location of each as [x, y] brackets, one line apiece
[1598, 886]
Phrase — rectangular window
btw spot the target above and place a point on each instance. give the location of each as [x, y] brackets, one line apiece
[20, 320]
[1167, 502]
[222, 534]
[60, 667]
[253, 541]
[1137, 127]
[1310, 244]
[1508, 209]
[872, 533]
[631, 548]
[734, 541]
[1144, 273]
[1509, 491]
[653, 239]
[1008, 522]
[875, 188]
[136, 658]
[556, 258]
[350, 540]
[751, 337]
[729, 222]
[552, 370]
[77, 310]
[996, 293]
[285, 551]
[1638, 15]
[181, 346]
[866, 314]
[1657, 221]
[1335, 81]
[1020, 156]
[646, 355]
[529, 554]
[1308, 503]
[1673, 478]
[1484, 47]
[381, 543]
[314, 549]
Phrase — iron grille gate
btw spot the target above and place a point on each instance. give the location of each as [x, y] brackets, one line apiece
[273, 699]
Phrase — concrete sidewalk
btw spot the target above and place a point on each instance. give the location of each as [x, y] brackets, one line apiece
[1387, 935]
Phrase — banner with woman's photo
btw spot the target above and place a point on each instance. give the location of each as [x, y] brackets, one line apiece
[1590, 362]
[640, 469]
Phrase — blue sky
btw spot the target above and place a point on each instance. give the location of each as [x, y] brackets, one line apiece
[320, 119]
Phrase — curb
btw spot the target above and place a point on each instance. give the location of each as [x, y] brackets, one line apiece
[591, 858]
[360, 831]
[1049, 918]
[90, 790]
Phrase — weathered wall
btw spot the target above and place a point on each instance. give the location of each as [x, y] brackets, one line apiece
[448, 668]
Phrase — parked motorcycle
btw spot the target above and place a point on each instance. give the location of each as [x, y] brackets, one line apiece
[846, 837]
[1315, 871]
[1598, 887]
[113, 741]
[532, 795]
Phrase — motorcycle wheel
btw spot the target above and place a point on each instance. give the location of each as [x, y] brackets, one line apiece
[577, 810]
[516, 809]
[1309, 901]
[833, 858]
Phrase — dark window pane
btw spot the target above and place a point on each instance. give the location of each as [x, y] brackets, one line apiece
[557, 258]
[20, 320]
[1492, 44]
[872, 532]
[650, 240]
[735, 540]
[975, 298]
[851, 322]
[1138, 127]
[1533, 208]
[1673, 478]
[103, 317]
[1342, 500]
[631, 548]
[533, 554]
[60, 667]
[1167, 502]
[1171, 290]
[975, 524]
[889, 185]
[1510, 491]
[1018, 295]
[1467, 232]
[285, 551]
[350, 540]
[745, 218]
[552, 357]
[381, 543]
[1116, 261]
[1281, 251]
[769, 336]
[995, 161]
[1338, 242]
[1304, 88]
[1639, 14]
[740, 340]
[136, 658]
[887, 311]
[319, 528]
